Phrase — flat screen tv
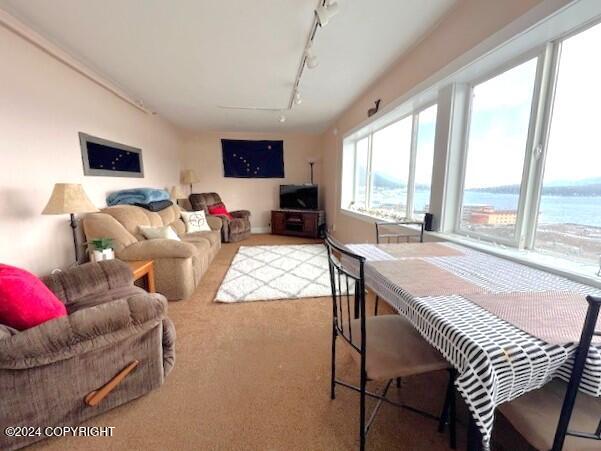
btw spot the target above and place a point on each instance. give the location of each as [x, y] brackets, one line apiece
[298, 197]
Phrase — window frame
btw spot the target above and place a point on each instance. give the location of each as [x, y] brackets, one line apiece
[539, 129]
[450, 90]
[413, 155]
[414, 114]
[539, 54]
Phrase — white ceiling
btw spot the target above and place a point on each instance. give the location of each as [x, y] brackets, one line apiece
[184, 58]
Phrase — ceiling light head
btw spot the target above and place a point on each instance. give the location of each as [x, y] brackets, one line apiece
[312, 62]
[297, 98]
[282, 118]
[325, 12]
[311, 58]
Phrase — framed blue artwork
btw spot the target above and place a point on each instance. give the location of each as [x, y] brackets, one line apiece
[109, 159]
[253, 159]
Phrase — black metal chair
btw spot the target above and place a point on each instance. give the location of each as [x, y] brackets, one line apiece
[542, 417]
[385, 231]
[387, 347]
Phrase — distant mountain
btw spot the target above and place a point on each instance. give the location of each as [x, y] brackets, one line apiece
[587, 188]
[588, 181]
[384, 181]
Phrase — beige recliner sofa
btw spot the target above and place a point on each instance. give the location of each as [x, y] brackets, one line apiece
[178, 265]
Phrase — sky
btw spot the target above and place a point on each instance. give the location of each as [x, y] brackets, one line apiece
[574, 147]
[501, 109]
[499, 127]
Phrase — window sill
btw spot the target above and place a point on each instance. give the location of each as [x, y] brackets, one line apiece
[574, 271]
[367, 217]
[360, 216]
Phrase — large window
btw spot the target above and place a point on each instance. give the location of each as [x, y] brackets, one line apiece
[532, 174]
[498, 134]
[392, 168]
[518, 151]
[569, 217]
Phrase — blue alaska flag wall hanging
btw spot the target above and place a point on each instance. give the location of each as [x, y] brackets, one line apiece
[253, 159]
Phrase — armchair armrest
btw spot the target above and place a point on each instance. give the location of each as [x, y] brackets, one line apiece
[215, 222]
[83, 331]
[240, 213]
[155, 249]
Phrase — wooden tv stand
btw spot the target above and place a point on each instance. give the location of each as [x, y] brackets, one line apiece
[306, 223]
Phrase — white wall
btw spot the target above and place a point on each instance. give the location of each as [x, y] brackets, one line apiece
[202, 152]
[43, 106]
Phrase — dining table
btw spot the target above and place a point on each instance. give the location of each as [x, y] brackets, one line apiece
[506, 327]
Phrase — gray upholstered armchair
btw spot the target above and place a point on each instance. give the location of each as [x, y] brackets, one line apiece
[116, 344]
[233, 229]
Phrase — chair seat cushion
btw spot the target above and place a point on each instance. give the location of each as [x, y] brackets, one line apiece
[213, 236]
[25, 301]
[202, 244]
[535, 416]
[395, 348]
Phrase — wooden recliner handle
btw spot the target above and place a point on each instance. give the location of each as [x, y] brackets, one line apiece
[95, 397]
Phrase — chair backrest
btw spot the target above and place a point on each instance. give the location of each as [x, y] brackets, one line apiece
[347, 278]
[588, 332]
[392, 232]
[121, 223]
[202, 201]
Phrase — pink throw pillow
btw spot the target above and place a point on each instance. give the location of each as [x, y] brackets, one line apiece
[25, 301]
[219, 209]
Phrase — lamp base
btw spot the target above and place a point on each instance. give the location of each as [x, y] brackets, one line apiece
[73, 224]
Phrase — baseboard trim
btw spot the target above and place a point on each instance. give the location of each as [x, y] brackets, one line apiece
[260, 230]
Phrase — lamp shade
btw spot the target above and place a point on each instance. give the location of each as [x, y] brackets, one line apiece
[189, 177]
[177, 192]
[68, 198]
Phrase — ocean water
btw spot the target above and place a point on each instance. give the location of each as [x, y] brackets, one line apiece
[553, 209]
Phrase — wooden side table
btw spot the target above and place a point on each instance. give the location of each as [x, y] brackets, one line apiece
[143, 269]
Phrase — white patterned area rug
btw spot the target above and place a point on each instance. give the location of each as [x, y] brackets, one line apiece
[263, 273]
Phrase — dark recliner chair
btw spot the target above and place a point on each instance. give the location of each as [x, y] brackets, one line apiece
[236, 229]
[116, 344]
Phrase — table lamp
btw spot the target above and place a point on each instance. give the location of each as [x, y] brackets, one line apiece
[189, 177]
[176, 193]
[69, 198]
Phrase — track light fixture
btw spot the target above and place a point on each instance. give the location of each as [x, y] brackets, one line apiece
[311, 58]
[325, 12]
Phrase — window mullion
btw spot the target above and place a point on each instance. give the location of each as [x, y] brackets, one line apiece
[412, 160]
[369, 174]
[548, 83]
[534, 163]
[532, 150]
[354, 199]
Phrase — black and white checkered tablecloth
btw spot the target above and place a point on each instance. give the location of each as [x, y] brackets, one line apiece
[496, 361]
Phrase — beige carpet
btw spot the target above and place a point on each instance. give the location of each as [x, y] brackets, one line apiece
[255, 376]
